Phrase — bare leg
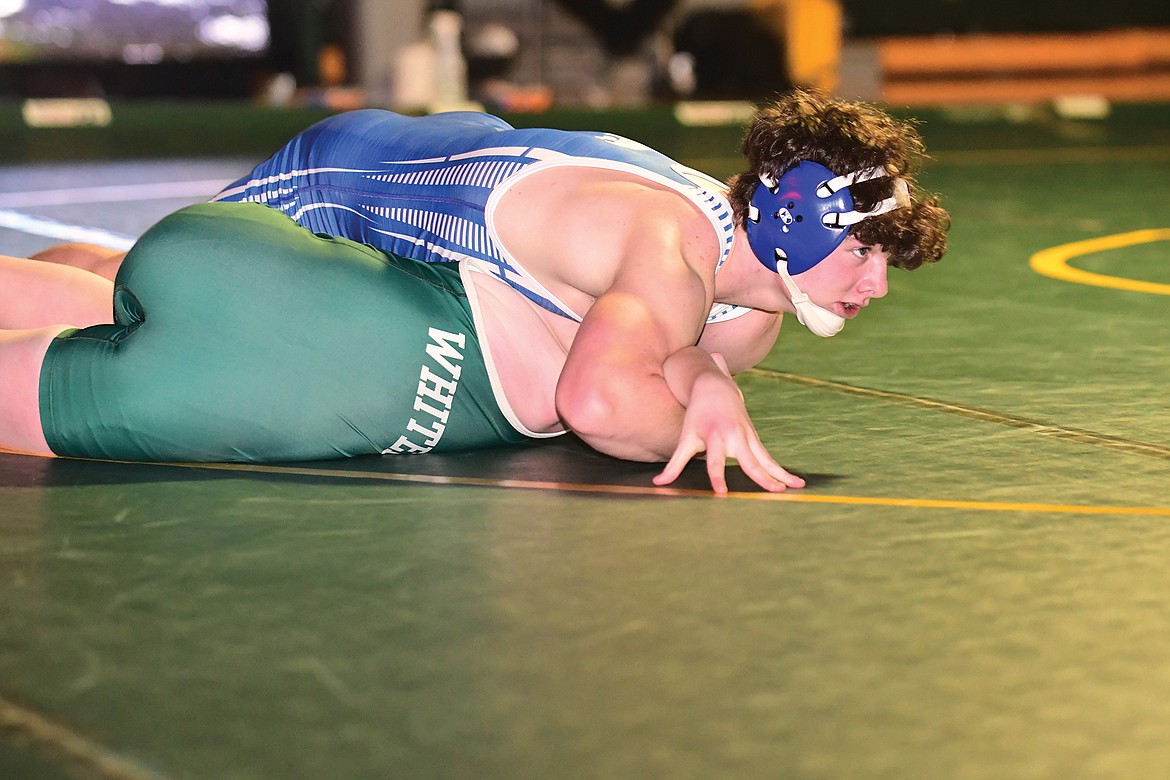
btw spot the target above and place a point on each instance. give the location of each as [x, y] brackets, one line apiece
[21, 354]
[33, 295]
[100, 260]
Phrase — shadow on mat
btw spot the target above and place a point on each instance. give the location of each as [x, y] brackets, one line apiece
[566, 461]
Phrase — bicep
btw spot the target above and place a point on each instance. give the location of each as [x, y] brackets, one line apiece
[614, 367]
[649, 312]
[623, 337]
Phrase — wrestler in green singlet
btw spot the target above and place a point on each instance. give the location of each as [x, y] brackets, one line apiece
[240, 335]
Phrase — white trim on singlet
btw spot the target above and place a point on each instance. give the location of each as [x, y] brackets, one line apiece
[724, 312]
[465, 271]
[295, 215]
[492, 151]
[569, 161]
[279, 177]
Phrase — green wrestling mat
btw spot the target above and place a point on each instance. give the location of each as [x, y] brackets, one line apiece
[972, 586]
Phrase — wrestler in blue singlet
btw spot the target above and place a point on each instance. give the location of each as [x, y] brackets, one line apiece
[427, 187]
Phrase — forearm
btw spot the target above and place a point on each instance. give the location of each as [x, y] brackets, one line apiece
[637, 414]
[686, 367]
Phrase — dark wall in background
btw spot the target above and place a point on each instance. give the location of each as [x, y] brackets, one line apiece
[866, 18]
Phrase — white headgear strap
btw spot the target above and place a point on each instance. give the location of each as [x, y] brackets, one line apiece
[898, 199]
[820, 321]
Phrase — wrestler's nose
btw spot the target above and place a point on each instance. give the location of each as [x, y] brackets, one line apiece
[874, 283]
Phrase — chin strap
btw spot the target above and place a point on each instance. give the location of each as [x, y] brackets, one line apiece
[820, 321]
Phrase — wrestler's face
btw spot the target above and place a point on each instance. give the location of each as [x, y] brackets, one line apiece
[848, 279]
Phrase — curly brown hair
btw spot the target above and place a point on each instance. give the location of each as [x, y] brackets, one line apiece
[846, 136]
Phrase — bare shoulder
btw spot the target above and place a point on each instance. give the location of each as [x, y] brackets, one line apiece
[745, 340]
[582, 227]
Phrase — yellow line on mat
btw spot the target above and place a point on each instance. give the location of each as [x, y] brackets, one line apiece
[650, 490]
[794, 496]
[1053, 262]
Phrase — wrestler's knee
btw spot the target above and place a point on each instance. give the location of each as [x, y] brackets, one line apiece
[100, 260]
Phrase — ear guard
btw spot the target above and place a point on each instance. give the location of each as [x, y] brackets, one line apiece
[805, 215]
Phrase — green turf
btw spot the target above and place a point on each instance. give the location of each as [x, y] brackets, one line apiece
[280, 630]
[983, 329]
[202, 624]
[156, 129]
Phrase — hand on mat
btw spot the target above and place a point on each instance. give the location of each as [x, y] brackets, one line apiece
[717, 423]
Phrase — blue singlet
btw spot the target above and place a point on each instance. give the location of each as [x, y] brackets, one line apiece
[427, 187]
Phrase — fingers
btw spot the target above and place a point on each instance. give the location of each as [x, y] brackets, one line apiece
[716, 468]
[769, 475]
[682, 455]
[774, 469]
[686, 451]
[755, 461]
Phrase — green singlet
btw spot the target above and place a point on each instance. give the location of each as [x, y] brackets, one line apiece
[241, 336]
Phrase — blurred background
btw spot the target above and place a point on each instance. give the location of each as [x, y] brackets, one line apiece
[533, 55]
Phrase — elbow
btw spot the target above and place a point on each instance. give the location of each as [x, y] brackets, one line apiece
[613, 409]
[588, 409]
[598, 416]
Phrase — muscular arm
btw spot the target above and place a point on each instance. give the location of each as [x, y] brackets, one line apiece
[613, 391]
[636, 385]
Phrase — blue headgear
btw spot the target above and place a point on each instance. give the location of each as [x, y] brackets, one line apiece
[805, 215]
